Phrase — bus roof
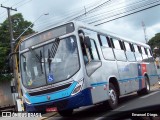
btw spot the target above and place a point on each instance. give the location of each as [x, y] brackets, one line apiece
[102, 31]
[93, 28]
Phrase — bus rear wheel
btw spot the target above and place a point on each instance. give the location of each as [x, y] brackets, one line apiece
[113, 95]
[145, 90]
[66, 113]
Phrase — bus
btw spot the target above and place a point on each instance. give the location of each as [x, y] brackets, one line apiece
[75, 64]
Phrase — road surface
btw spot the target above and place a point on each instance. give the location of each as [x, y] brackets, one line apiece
[97, 112]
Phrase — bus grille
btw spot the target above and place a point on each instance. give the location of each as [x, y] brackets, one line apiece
[50, 90]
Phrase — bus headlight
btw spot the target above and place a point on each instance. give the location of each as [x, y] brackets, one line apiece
[78, 87]
[26, 100]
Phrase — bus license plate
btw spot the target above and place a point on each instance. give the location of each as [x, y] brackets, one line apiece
[53, 109]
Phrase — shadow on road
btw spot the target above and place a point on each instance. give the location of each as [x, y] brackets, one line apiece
[97, 110]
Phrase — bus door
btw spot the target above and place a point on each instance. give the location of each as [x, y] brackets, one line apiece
[93, 67]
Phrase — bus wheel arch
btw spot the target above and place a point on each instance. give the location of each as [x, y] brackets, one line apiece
[145, 90]
[147, 84]
[114, 93]
[114, 81]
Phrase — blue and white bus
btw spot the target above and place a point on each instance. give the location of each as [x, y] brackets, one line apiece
[75, 65]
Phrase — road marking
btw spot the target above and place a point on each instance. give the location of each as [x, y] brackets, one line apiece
[119, 107]
[150, 94]
[99, 118]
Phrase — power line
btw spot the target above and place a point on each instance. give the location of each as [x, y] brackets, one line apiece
[70, 18]
[5, 1]
[91, 10]
[93, 14]
[113, 15]
[15, 5]
[73, 13]
[18, 3]
[24, 4]
[112, 10]
[128, 14]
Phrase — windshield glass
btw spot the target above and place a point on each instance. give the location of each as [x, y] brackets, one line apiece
[51, 63]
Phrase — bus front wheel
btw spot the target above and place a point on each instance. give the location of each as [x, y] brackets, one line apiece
[66, 113]
[113, 97]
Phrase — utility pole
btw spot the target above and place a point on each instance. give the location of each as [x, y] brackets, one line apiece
[12, 44]
[145, 34]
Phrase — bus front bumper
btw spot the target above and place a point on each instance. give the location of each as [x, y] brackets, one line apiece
[83, 98]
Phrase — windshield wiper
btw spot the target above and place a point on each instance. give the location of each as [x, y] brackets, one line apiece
[52, 52]
[54, 47]
[41, 61]
[39, 58]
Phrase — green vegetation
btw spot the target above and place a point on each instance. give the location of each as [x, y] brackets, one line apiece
[19, 25]
[155, 41]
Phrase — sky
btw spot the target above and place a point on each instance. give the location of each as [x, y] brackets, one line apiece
[128, 27]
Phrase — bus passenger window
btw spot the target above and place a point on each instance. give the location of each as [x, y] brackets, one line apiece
[129, 53]
[144, 55]
[117, 44]
[118, 50]
[104, 41]
[106, 47]
[150, 57]
[93, 50]
[137, 53]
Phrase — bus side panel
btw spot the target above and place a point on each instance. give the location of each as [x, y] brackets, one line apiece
[127, 77]
[99, 81]
[152, 73]
[134, 80]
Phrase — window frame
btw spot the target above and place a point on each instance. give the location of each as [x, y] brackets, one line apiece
[96, 50]
[110, 45]
[122, 48]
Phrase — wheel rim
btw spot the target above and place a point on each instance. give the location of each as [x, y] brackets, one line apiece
[112, 95]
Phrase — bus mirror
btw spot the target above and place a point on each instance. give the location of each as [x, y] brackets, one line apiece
[24, 66]
[87, 42]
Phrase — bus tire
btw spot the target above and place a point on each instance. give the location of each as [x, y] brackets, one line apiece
[113, 101]
[66, 113]
[145, 90]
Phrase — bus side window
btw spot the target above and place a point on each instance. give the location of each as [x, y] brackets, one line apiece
[118, 50]
[106, 47]
[144, 55]
[150, 57]
[145, 49]
[129, 51]
[93, 51]
[94, 58]
[137, 53]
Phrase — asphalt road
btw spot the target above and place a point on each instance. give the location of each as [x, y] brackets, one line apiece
[97, 112]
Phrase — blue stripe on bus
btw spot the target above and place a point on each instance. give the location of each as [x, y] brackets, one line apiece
[153, 75]
[98, 84]
[122, 80]
[53, 96]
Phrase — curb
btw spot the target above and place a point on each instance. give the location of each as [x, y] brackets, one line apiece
[48, 115]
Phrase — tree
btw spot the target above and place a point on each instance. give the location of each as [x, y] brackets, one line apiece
[19, 25]
[155, 41]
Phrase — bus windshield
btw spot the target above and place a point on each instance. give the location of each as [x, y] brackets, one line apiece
[51, 63]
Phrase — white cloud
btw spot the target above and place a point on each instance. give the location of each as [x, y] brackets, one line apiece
[124, 29]
[129, 27]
